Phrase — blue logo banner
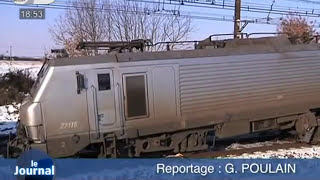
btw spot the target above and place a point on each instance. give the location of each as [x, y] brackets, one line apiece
[169, 169]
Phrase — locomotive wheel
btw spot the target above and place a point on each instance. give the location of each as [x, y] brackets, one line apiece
[307, 126]
[211, 140]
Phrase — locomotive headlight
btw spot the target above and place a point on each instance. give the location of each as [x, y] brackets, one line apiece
[33, 115]
[35, 133]
[31, 118]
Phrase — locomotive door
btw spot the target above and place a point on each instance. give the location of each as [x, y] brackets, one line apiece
[149, 98]
[101, 100]
[136, 96]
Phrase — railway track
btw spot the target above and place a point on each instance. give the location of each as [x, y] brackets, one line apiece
[230, 147]
[247, 150]
[257, 146]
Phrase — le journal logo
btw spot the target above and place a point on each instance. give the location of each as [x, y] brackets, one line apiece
[34, 170]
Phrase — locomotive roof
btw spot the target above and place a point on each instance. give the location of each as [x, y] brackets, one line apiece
[233, 47]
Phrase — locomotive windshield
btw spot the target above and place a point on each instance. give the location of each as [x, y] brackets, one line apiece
[40, 75]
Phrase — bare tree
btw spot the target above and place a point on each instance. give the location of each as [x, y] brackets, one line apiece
[297, 28]
[118, 20]
[82, 22]
[134, 20]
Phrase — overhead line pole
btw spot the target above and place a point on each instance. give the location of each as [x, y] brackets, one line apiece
[237, 21]
[10, 55]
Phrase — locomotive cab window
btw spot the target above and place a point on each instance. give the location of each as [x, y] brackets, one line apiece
[104, 82]
[80, 82]
[136, 96]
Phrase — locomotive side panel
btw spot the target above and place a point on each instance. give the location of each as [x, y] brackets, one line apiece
[249, 87]
[65, 114]
[164, 93]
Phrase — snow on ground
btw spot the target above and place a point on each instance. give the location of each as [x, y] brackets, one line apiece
[303, 152]
[254, 145]
[9, 114]
[8, 118]
[32, 66]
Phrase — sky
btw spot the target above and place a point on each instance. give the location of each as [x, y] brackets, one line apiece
[31, 38]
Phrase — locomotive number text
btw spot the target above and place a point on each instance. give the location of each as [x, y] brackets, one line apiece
[69, 125]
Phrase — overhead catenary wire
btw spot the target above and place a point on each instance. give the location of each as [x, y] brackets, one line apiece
[264, 5]
[188, 14]
[306, 1]
[201, 4]
[268, 19]
[193, 15]
[256, 8]
[225, 6]
[224, 17]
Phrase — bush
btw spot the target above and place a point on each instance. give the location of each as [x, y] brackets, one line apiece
[298, 29]
[14, 86]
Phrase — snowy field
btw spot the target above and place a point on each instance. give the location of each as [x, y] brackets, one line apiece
[9, 114]
[32, 66]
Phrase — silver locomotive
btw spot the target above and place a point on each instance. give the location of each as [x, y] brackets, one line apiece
[132, 104]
